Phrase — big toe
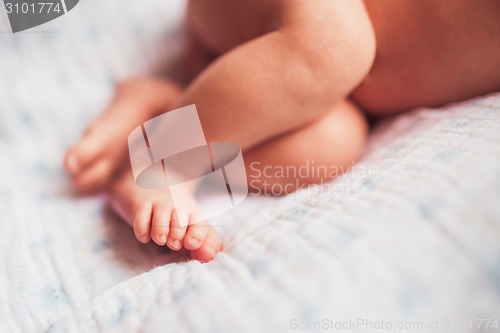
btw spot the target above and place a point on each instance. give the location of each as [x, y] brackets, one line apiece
[81, 155]
[95, 177]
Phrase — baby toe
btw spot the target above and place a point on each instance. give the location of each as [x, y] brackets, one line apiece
[210, 247]
[142, 222]
[196, 232]
[160, 224]
[95, 177]
[178, 227]
[81, 155]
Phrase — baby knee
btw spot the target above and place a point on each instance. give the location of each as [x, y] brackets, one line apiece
[338, 51]
[346, 130]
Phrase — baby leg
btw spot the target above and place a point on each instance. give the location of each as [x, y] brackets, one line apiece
[333, 142]
[336, 139]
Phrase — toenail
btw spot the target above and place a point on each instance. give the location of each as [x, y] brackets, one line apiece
[162, 239]
[176, 244]
[144, 239]
[194, 242]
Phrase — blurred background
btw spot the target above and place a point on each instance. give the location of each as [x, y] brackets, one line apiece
[413, 242]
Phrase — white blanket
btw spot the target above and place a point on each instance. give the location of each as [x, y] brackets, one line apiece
[410, 236]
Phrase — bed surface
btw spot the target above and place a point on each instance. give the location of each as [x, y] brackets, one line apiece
[411, 234]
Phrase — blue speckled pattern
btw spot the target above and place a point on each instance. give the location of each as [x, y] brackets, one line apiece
[417, 237]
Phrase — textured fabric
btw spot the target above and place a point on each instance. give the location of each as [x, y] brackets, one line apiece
[412, 233]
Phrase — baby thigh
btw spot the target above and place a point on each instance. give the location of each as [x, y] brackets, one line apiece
[312, 154]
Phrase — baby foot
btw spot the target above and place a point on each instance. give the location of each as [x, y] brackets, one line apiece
[153, 217]
[96, 157]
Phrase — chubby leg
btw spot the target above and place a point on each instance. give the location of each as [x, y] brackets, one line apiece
[269, 85]
[320, 149]
[287, 76]
[336, 139]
